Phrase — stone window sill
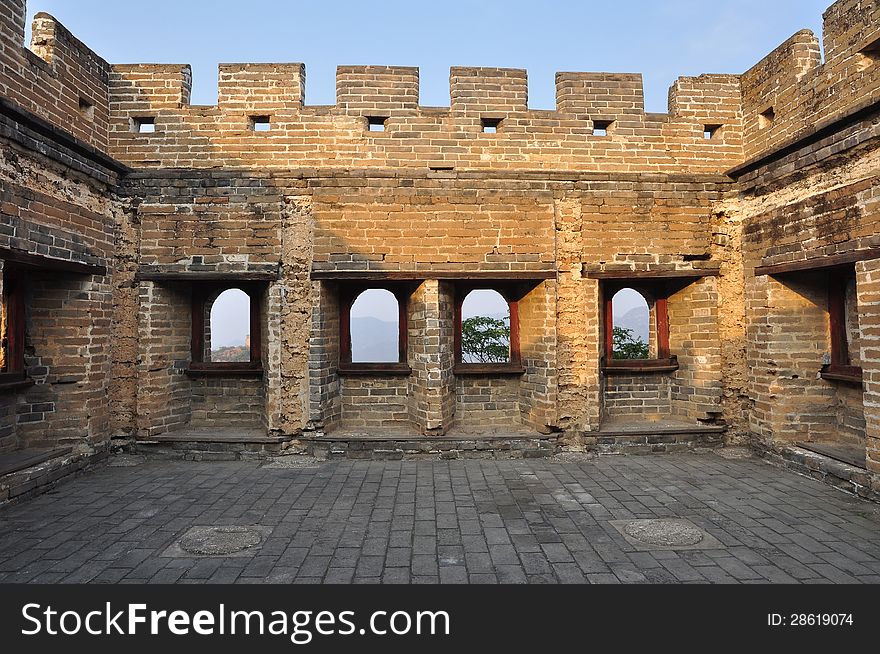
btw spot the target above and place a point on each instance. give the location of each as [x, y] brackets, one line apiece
[641, 367]
[374, 370]
[844, 374]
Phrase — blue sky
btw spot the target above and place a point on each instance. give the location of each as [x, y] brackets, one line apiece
[661, 39]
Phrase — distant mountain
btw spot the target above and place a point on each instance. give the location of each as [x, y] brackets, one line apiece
[638, 321]
[236, 354]
[374, 341]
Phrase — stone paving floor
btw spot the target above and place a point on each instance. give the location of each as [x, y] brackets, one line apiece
[539, 521]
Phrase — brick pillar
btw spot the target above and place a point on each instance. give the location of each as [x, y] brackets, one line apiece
[578, 350]
[164, 329]
[537, 388]
[325, 407]
[431, 387]
[276, 410]
[694, 338]
[868, 285]
[291, 324]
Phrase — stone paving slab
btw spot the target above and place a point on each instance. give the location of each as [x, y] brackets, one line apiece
[531, 521]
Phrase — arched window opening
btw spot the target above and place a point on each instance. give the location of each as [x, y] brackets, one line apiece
[375, 327]
[632, 326]
[636, 327]
[485, 328]
[227, 329]
[228, 333]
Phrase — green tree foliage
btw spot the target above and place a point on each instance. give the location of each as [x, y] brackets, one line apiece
[627, 347]
[485, 340]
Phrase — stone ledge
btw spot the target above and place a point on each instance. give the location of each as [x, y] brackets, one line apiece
[42, 477]
[845, 477]
[656, 441]
[443, 448]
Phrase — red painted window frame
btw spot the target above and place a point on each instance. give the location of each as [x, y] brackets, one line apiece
[348, 295]
[14, 338]
[665, 361]
[512, 294]
[201, 294]
[840, 368]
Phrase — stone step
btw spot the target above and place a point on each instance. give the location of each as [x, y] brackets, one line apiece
[846, 477]
[653, 438]
[203, 445]
[460, 447]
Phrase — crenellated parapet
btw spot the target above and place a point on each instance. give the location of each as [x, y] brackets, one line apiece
[488, 90]
[600, 94]
[261, 120]
[58, 79]
[791, 91]
[142, 114]
[262, 88]
[381, 90]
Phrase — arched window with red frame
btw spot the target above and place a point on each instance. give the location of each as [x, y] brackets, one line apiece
[226, 328]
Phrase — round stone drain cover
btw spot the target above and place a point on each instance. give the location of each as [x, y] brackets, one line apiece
[664, 533]
[220, 541]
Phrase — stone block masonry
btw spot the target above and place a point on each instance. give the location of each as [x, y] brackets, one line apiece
[122, 204]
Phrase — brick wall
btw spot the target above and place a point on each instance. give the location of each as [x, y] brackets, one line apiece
[415, 136]
[644, 396]
[491, 403]
[54, 75]
[374, 402]
[868, 281]
[433, 195]
[538, 386]
[801, 90]
[164, 332]
[431, 357]
[325, 409]
[227, 403]
[694, 338]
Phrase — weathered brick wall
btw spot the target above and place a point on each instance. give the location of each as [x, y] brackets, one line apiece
[50, 211]
[868, 282]
[57, 208]
[52, 77]
[433, 194]
[802, 91]
[227, 403]
[818, 201]
[68, 323]
[538, 386]
[644, 396]
[431, 357]
[491, 403]
[374, 402]
[601, 228]
[789, 337]
[164, 400]
[325, 408]
[218, 221]
[694, 338]
[369, 223]
[415, 136]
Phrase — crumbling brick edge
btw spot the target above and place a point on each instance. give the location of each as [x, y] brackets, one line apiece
[43, 478]
[849, 479]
